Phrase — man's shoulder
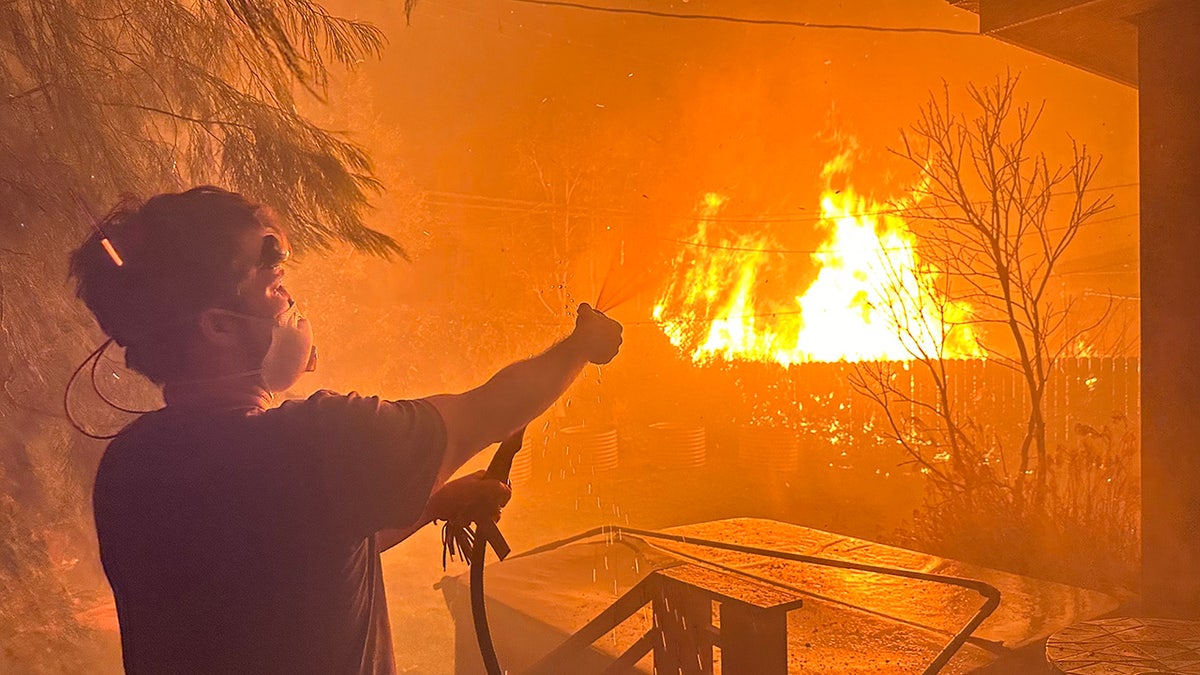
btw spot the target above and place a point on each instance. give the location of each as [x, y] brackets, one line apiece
[133, 455]
[134, 435]
[329, 400]
[321, 403]
[323, 397]
[330, 414]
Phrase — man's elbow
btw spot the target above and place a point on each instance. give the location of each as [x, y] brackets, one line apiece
[471, 426]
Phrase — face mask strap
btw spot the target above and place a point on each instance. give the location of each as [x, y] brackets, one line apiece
[240, 374]
[284, 319]
[220, 378]
[94, 360]
[277, 320]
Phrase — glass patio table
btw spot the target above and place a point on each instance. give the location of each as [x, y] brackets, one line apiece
[1126, 646]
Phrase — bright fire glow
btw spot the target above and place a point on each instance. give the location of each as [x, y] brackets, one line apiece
[872, 299]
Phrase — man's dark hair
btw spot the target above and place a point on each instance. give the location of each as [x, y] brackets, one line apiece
[179, 254]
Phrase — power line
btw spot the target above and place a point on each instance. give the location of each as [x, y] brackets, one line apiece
[749, 20]
[838, 250]
[472, 201]
[485, 202]
[747, 249]
[510, 205]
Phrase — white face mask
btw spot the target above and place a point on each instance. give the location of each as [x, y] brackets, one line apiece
[291, 352]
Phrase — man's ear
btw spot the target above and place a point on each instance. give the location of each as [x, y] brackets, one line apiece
[218, 328]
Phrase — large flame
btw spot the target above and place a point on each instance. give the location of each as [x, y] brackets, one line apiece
[873, 299]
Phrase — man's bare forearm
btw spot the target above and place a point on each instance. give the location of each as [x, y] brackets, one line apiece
[517, 394]
[511, 399]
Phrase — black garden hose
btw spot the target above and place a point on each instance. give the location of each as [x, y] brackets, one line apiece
[473, 543]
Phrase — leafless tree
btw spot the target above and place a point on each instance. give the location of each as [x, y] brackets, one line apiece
[993, 219]
[569, 162]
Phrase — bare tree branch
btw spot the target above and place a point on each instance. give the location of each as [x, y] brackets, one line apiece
[987, 211]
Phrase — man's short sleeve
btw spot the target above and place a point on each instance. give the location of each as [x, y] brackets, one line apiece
[369, 463]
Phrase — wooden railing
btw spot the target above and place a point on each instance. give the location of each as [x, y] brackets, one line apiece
[752, 635]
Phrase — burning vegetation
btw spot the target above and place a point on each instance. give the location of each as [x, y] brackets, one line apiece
[719, 304]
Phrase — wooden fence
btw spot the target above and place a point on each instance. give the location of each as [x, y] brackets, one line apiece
[1080, 391]
[833, 420]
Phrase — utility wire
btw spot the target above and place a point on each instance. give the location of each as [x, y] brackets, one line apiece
[536, 208]
[603, 213]
[485, 202]
[517, 200]
[748, 20]
[724, 247]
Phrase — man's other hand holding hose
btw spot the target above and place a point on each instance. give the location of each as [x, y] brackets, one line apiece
[472, 498]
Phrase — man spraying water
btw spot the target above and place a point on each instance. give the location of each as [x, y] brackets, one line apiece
[239, 537]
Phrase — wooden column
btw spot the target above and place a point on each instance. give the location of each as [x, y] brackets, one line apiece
[683, 616]
[753, 640]
[753, 632]
[1169, 108]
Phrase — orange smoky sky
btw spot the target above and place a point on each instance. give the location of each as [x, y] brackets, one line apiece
[688, 106]
[501, 99]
